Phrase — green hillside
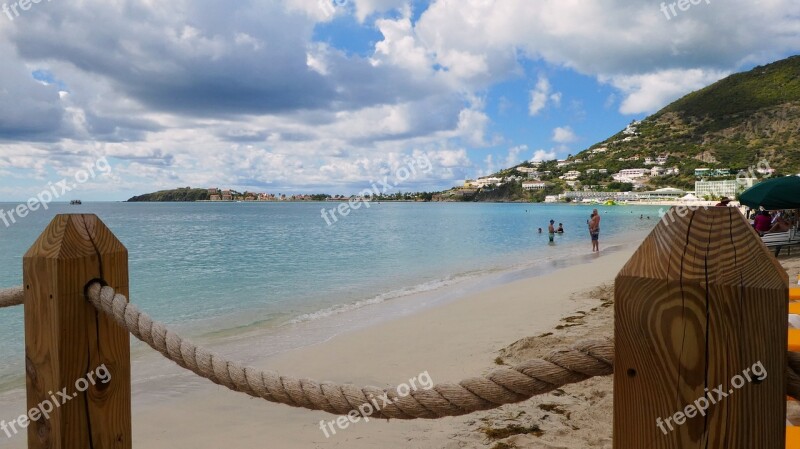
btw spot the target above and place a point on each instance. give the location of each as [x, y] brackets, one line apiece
[182, 194]
[763, 87]
[734, 123]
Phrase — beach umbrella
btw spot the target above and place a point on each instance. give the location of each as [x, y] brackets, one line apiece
[778, 193]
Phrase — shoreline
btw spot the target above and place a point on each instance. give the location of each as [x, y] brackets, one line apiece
[459, 335]
[217, 318]
[320, 325]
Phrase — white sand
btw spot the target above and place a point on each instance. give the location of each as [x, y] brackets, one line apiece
[450, 342]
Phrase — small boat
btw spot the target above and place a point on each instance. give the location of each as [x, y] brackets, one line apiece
[75, 202]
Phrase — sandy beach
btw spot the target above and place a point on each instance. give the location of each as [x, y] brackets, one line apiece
[449, 342]
[505, 324]
[508, 324]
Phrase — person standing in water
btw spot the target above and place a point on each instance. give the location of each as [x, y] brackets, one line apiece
[594, 230]
[551, 230]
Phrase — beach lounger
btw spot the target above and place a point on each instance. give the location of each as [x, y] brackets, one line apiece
[778, 240]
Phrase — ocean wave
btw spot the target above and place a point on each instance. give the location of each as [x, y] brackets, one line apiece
[394, 294]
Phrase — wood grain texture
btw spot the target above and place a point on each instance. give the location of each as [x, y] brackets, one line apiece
[698, 303]
[66, 338]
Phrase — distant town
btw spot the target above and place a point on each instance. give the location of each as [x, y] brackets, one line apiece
[228, 195]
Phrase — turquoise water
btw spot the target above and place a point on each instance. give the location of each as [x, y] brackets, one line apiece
[225, 268]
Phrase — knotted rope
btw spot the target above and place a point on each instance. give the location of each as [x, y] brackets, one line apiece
[11, 297]
[502, 386]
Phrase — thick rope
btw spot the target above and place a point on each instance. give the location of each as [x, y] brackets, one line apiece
[504, 385]
[11, 297]
[499, 387]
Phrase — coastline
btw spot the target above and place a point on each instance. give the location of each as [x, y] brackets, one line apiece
[451, 333]
[267, 281]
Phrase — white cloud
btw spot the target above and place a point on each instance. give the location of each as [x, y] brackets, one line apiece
[564, 135]
[449, 158]
[543, 155]
[319, 10]
[472, 126]
[490, 168]
[556, 99]
[365, 8]
[649, 92]
[615, 39]
[541, 94]
[514, 156]
[401, 48]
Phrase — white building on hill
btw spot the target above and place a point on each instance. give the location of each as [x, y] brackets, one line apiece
[728, 187]
[534, 185]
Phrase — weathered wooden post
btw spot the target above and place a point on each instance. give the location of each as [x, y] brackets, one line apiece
[701, 338]
[66, 339]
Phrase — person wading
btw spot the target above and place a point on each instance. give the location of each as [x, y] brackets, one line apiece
[594, 230]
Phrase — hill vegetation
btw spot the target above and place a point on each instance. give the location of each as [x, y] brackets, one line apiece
[734, 123]
[179, 195]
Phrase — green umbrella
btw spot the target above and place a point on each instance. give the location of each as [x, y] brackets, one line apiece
[778, 193]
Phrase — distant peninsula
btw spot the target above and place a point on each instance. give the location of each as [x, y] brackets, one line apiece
[174, 195]
[189, 194]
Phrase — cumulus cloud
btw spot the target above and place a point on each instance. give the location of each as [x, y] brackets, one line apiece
[618, 38]
[649, 92]
[541, 95]
[543, 155]
[515, 155]
[365, 8]
[564, 134]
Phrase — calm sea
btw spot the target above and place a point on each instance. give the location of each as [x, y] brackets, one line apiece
[218, 269]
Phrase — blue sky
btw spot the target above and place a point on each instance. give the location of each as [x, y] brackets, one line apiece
[305, 96]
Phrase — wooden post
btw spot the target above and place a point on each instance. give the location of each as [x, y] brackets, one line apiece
[66, 338]
[700, 303]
